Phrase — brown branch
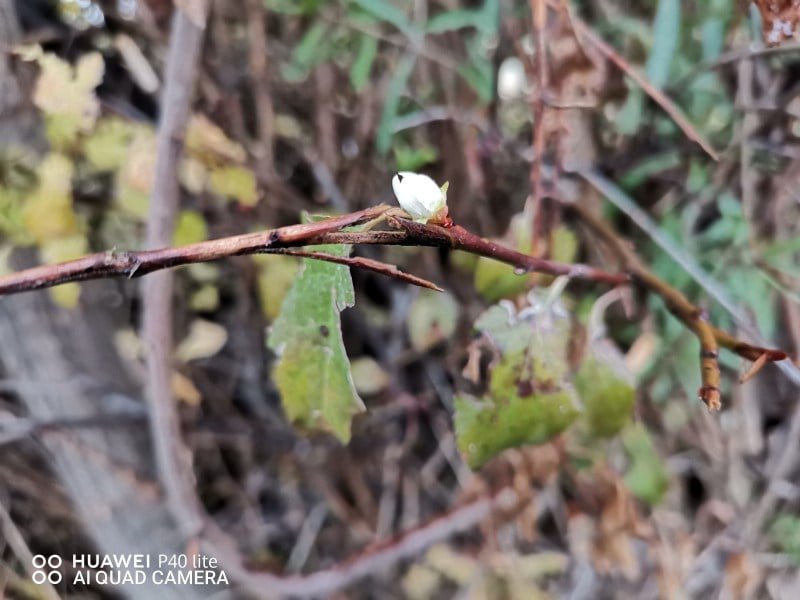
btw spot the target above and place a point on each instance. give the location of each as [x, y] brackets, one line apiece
[458, 238]
[134, 264]
[710, 337]
[172, 458]
[405, 233]
[328, 231]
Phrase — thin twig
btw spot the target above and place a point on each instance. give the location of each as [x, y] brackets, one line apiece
[173, 463]
[539, 223]
[260, 78]
[712, 287]
[709, 336]
[11, 534]
[375, 559]
[361, 262]
[23, 429]
[582, 30]
[733, 56]
[749, 126]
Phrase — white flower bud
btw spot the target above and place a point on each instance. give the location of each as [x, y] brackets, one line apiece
[419, 195]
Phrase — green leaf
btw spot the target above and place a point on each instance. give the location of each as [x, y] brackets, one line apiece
[527, 401]
[565, 244]
[478, 71]
[313, 371]
[66, 295]
[713, 39]
[646, 478]
[362, 65]
[413, 158]
[782, 248]
[666, 36]
[746, 284]
[649, 166]
[495, 280]
[311, 51]
[275, 277]
[397, 85]
[388, 12]
[784, 534]
[606, 389]
[454, 20]
[487, 427]
[205, 299]
[629, 117]
[293, 7]
[480, 78]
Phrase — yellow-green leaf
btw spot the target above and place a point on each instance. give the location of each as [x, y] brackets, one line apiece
[368, 376]
[207, 142]
[66, 95]
[234, 182]
[432, 319]
[606, 389]
[190, 228]
[57, 250]
[89, 71]
[495, 280]
[527, 400]
[47, 212]
[205, 299]
[135, 178]
[313, 371]
[66, 295]
[487, 427]
[275, 277]
[646, 478]
[106, 148]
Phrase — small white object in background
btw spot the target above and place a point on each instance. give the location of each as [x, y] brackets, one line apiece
[420, 196]
[512, 82]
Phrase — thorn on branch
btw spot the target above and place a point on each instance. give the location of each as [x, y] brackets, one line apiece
[757, 365]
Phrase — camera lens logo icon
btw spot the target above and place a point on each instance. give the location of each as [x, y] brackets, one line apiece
[47, 569]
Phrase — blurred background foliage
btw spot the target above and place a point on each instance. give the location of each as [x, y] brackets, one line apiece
[636, 498]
